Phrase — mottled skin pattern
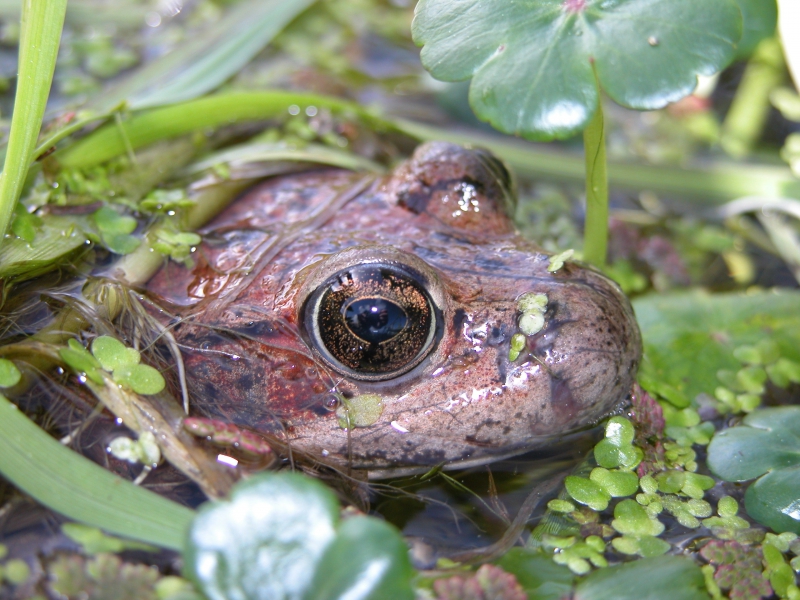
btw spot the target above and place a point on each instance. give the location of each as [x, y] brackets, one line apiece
[249, 361]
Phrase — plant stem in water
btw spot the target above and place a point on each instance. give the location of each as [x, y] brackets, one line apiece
[595, 237]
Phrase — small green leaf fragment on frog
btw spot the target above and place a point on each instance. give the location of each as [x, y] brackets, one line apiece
[531, 323]
[113, 354]
[518, 342]
[557, 261]
[532, 302]
[360, 411]
[79, 360]
[588, 492]
[94, 541]
[9, 373]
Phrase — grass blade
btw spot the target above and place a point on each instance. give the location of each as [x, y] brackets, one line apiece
[42, 21]
[81, 490]
[205, 61]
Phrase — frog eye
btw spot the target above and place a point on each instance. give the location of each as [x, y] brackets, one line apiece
[372, 321]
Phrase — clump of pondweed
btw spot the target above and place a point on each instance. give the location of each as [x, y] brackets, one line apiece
[738, 569]
[488, 583]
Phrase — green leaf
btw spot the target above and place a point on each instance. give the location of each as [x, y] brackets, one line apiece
[632, 519]
[79, 360]
[81, 490]
[57, 240]
[25, 224]
[616, 483]
[767, 443]
[204, 64]
[533, 64]
[112, 354]
[94, 541]
[111, 222]
[659, 578]
[265, 542]
[690, 336]
[9, 373]
[759, 18]
[539, 576]
[587, 492]
[142, 379]
[41, 25]
[368, 559]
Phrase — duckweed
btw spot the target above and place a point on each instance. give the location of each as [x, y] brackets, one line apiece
[9, 373]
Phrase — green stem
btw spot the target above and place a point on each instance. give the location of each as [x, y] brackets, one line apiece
[748, 113]
[41, 25]
[595, 236]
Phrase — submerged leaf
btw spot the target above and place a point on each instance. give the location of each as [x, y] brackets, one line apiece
[534, 65]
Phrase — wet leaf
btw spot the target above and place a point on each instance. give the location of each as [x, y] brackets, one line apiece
[9, 373]
[659, 578]
[142, 379]
[265, 542]
[113, 354]
[367, 559]
[690, 336]
[57, 240]
[533, 65]
[767, 444]
[115, 230]
[587, 492]
[79, 360]
[25, 224]
[759, 18]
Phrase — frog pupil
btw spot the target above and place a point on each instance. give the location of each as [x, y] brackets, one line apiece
[375, 320]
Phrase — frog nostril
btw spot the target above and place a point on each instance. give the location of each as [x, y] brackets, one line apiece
[371, 321]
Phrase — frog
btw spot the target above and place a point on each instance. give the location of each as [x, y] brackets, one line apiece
[379, 323]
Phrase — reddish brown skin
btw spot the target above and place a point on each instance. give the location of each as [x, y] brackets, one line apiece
[249, 361]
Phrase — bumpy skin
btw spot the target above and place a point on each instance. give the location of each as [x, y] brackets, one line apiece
[445, 214]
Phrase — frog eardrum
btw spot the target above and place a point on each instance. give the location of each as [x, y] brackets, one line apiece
[372, 322]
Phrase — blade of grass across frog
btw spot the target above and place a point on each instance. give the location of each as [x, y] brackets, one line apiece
[41, 25]
[713, 184]
[81, 490]
[265, 152]
[146, 127]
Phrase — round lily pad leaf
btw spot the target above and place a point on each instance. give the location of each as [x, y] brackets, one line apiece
[539, 576]
[768, 441]
[368, 560]
[774, 500]
[535, 65]
[142, 379]
[657, 578]
[265, 543]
